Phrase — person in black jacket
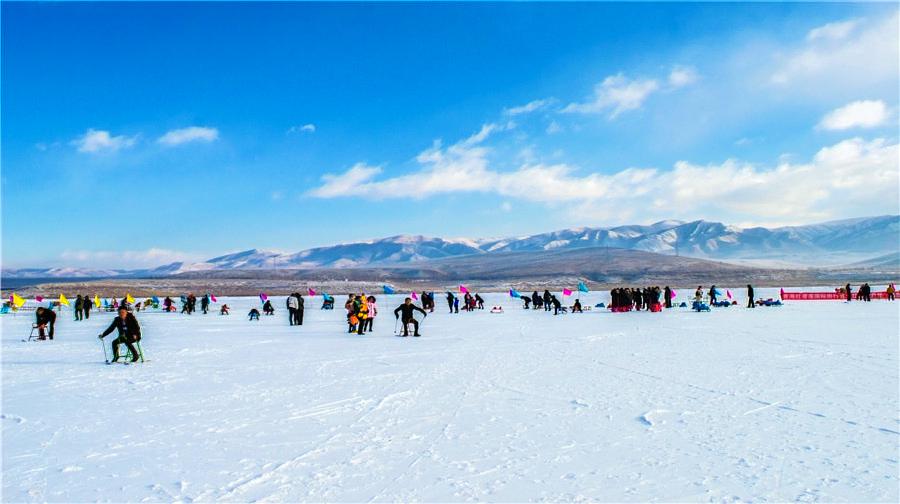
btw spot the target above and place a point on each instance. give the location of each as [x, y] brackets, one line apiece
[405, 313]
[547, 300]
[129, 333]
[204, 304]
[557, 306]
[847, 291]
[298, 315]
[88, 304]
[750, 303]
[667, 294]
[44, 317]
[450, 301]
[479, 301]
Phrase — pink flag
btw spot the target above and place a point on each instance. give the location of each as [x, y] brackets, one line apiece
[310, 291]
[463, 289]
[213, 298]
[567, 292]
[673, 293]
[414, 296]
[728, 294]
[38, 298]
[263, 297]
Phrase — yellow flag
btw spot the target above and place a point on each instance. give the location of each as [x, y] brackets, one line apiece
[63, 300]
[17, 300]
[129, 299]
[96, 301]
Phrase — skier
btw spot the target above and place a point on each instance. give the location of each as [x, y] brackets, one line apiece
[44, 317]
[750, 303]
[407, 310]
[129, 333]
[88, 304]
[204, 304]
[292, 307]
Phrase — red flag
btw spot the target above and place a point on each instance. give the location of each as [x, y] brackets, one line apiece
[38, 298]
[310, 292]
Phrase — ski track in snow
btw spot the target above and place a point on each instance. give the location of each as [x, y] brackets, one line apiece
[794, 403]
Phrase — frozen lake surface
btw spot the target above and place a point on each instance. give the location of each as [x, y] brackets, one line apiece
[798, 402]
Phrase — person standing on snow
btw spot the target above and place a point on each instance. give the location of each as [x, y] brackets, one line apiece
[712, 295]
[407, 310]
[847, 291]
[890, 292]
[88, 304]
[292, 307]
[668, 296]
[548, 299]
[373, 312]
[79, 308]
[298, 320]
[450, 298]
[480, 301]
[129, 333]
[750, 303]
[204, 304]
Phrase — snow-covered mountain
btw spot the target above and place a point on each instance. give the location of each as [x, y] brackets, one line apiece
[830, 243]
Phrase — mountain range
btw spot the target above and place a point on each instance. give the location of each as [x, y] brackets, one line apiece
[836, 243]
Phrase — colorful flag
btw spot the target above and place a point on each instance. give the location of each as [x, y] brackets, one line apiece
[212, 297]
[567, 292]
[514, 293]
[263, 298]
[388, 289]
[97, 301]
[310, 292]
[327, 297]
[582, 287]
[155, 300]
[17, 300]
[129, 299]
[728, 294]
[463, 289]
[673, 293]
[38, 298]
[63, 300]
[414, 296]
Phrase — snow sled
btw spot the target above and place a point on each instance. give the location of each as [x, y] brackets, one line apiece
[683, 305]
[770, 302]
[497, 309]
[721, 304]
[328, 304]
[700, 306]
[600, 305]
[620, 309]
[656, 307]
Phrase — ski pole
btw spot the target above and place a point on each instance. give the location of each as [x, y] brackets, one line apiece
[105, 355]
[396, 322]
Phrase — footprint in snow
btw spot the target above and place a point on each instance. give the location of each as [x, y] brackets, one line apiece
[13, 418]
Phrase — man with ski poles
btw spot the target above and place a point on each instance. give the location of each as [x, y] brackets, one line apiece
[405, 313]
[129, 333]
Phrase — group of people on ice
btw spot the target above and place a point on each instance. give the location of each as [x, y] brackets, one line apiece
[547, 302]
[469, 303]
[648, 298]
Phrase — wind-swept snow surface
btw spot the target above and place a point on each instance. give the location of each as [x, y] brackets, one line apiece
[792, 403]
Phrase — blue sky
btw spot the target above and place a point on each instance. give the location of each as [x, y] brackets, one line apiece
[137, 134]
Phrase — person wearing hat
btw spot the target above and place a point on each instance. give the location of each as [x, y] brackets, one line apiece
[129, 333]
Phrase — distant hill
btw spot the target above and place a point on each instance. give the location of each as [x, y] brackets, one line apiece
[817, 245]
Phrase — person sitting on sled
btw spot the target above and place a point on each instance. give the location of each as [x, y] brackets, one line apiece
[129, 333]
[44, 317]
[407, 309]
[254, 314]
[576, 308]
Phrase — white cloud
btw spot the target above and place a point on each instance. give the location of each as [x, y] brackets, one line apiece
[616, 94]
[189, 134]
[528, 107]
[853, 177]
[858, 114]
[554, 128]
[306, 128]
[858, 52]
[95, 141]
[127, 259]
[833, 31]
[681, 76]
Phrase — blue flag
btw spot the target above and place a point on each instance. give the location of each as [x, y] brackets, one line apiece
[582, 287]
[388, 289]
[155, 300]
[514, 293]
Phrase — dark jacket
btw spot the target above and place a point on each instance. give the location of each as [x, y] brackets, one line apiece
[129, 328]
[45, 316]
[407, 311]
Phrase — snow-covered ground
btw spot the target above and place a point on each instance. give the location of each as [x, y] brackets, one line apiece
[792, 403]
